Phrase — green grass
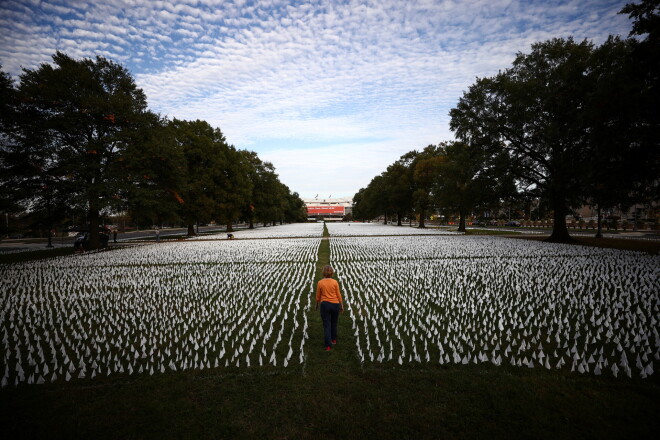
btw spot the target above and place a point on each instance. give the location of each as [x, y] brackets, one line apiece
[333, 396]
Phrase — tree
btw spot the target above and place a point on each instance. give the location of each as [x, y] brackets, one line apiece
[206, 155]
[232, 187]
[467, 177]
[8, 190]
[155, 167]
[296, 211]
[423, 166]
[369, 202]
[646, 21]
[645, 133]
[615, 177]
[359, 205]
[535, 111]
[76, 118]
[397, 190]
[263, 201]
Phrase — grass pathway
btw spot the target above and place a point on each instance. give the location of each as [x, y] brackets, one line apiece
[343, 355]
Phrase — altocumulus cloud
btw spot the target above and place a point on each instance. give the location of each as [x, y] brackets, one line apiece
[330, 91]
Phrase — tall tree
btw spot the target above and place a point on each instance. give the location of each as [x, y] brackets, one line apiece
[359, 205]
[535, 111]
[156, 168]
[295, 208]
[645, 133]
[207, 157]
[468, 177]
[369, 202]
[8, 187]
[77, 118]
[615, 178]
[264, 198]
[423, 166]
[237, 187]
[397, 190]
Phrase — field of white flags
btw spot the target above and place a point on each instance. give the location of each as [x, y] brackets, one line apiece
[480, 299]
[297, 230]
[156, 308]
[362, 229]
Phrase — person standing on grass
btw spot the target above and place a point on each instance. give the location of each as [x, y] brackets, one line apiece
[328, 297]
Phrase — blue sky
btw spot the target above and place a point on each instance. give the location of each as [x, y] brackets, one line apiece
[330, 92]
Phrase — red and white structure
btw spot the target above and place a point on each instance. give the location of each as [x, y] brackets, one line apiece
[328, 209]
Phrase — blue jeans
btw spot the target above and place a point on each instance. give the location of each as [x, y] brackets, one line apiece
[330, 316]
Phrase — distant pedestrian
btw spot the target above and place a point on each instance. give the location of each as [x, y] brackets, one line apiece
[114, 235]
[328, 297]
[157, 235]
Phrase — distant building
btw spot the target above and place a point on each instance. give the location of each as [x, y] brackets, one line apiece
[328, 209]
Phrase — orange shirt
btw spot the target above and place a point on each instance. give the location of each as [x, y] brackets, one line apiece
[328, 290]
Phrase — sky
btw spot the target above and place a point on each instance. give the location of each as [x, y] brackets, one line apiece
[330, 91]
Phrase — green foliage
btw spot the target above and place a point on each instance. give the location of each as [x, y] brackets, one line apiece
[269, 200]
[73, 121]
[368, 202]
[77, 135]
[469, 177]
[404, 188]
[646, 18]
[561, 114]
[155, 167]
[397, 182]
[423, 166]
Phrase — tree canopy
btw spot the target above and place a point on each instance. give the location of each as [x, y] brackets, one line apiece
[78, 133]
[569, 123]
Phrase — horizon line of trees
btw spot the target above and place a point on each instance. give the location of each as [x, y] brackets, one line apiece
[77, 135]
[569, 123]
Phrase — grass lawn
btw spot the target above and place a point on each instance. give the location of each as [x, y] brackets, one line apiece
[333, 396]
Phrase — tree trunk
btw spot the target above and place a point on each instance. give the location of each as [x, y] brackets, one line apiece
[559, 229]
[50, 225]
[230, 227]
[385, 221]
[191, 229]
[93, 215]
[399, 217]
[461, 221]
[274, 222]
[599, 233]
[422, 214]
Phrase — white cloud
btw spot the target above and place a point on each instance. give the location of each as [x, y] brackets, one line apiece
[326, 72]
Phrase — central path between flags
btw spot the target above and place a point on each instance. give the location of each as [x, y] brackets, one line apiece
[343, 356]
